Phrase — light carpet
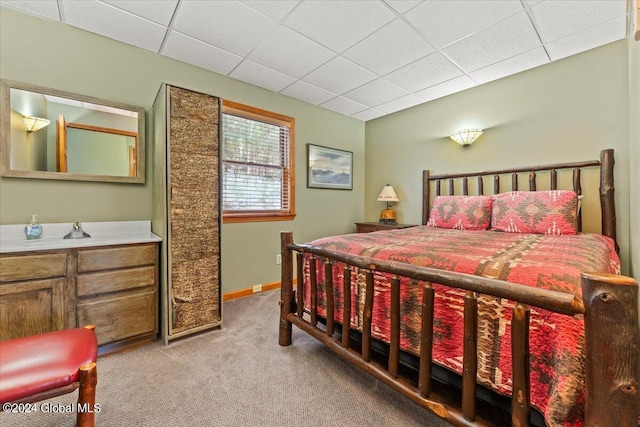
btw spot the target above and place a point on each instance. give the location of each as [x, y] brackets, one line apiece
[237, 376]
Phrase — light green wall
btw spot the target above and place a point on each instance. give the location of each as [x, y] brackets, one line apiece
[73, 60]
[634, 150]
[565, 111]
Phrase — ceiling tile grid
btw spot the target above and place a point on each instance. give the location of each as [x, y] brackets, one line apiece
[259, 75]
[339, 75]
[158, 12]
[344, 106]
[308, 93]
[364, 58]
[187, 49]
[48, 9]
[425, 72]
[496, 43]
[339, 24]
[588, 39]
[112, 22]
[389, 48]
[375, 93]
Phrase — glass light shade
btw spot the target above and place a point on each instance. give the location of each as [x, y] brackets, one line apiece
[388, 194]
[466, 136]
[33, 124]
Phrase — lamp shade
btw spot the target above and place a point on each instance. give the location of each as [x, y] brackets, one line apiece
[33, 124]
[466, 136]
[388, 194]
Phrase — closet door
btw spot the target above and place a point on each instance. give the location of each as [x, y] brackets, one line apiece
[192, 299]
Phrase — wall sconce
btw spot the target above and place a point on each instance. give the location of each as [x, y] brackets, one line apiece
[388, 194]
[34, 124]
[466, 136]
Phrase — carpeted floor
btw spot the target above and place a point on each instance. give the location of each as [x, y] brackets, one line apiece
[237, 376]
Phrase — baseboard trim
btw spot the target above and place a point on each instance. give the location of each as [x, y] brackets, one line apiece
[249, 291]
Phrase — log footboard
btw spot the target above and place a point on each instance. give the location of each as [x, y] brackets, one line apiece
[612, 332]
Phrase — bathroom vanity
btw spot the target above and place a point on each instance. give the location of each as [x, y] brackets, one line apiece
[109, 280]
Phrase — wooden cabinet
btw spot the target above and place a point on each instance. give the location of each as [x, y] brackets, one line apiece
[112, 287]
[117, 292]
[369, 227]
[187, 209]
[32, 294]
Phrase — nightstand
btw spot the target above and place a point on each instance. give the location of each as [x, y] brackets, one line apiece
[368, 227]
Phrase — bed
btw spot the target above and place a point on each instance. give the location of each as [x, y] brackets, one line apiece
[542, 318]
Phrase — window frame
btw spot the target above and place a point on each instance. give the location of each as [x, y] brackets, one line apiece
[257, 114]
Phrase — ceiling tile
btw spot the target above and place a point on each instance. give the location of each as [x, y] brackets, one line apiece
[108, 21]
[425, 72]
[159, 12]
[369, 114]
[375, 93]
[400, 104]
[390, 48]
[220, 22]
[363, 58]
[558, 19]
[273, 9]
[259, 75]
[494, 44]
[343, 106]
[339, 75]
[447, 88]
[588, 39]
[339, 24]
[444, 22]
[513, 65]
[309, 93]
[46, 8]
[401, 6]
[192, 51]
[289, 52]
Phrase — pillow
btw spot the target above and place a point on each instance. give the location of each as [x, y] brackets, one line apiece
[461, 212]
[539, 212]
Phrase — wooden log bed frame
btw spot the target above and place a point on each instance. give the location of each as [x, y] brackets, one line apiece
[609, 305]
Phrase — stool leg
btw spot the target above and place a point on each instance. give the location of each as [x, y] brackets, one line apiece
[88, 378]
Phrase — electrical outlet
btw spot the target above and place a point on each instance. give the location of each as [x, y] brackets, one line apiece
[257, 288]
[278, 259]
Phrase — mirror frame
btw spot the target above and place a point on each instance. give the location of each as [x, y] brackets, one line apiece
[5, 136]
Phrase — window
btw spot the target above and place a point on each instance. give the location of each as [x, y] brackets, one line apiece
[257, 164]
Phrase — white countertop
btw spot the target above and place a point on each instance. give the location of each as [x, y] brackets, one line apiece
[13, 238]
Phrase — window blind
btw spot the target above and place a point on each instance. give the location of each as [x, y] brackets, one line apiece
[255, 165]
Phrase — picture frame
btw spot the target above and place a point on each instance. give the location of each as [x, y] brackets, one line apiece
[329, 168]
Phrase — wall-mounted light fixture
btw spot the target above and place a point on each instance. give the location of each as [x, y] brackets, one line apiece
[34, 124]
[466, 136]
[388, 194]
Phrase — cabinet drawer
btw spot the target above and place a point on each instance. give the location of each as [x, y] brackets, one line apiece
[120, 317]
[366, 228]
[115, 280]
[120, 257]
[13, 268]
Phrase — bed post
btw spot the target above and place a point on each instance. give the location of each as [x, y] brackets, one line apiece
[425, 197]
[607, 203]
[286, 288]
[612, 374]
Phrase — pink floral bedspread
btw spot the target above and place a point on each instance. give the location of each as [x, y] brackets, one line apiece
[549, 262]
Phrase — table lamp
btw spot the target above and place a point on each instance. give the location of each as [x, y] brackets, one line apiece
[388, 216]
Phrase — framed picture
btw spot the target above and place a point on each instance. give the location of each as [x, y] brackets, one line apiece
[329, 168]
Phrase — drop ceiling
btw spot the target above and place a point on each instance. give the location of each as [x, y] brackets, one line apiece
[363, 59]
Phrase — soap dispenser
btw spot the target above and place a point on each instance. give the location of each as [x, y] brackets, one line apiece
[33, 230]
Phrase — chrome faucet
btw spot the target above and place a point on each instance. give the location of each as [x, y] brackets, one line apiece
[77, 232]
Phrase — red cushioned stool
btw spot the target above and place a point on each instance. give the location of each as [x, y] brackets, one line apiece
[46, 365]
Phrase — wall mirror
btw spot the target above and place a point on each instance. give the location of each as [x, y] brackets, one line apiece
[51, 134]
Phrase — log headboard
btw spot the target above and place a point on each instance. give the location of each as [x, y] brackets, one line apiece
[605, 164]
